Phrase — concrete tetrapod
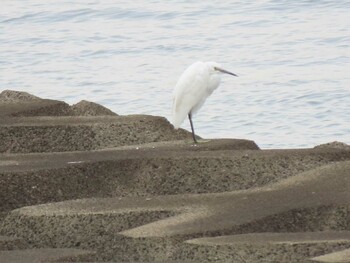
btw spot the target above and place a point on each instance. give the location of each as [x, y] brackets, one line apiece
[44, 255]
[155, 228]
[31, 124]
[336, 257]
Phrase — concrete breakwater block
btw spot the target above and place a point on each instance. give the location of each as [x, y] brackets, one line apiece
[157, 228]
[11, 243]
[270, 247]
[342, 256]
[22, 104]
[80, 183]
[58, 134]
[29, 179]
[45, 255]
[31, 124]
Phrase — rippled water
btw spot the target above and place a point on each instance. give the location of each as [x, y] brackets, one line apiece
[293, 59]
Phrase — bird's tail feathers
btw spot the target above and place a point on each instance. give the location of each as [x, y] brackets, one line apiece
[178, 117]
[176, 122]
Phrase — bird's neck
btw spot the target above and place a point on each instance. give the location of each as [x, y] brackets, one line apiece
[214, 82]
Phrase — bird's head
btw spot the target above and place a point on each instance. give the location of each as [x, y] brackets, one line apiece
[215, 68]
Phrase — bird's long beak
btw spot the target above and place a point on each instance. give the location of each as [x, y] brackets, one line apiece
[225, 71]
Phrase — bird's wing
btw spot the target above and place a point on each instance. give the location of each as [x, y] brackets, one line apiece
[190, 91]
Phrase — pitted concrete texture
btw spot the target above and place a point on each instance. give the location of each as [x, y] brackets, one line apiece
[58, 134]
[30, 124]
[275, 238]
[19, 103]
[133, 189]
[16, 96]
[267, 247]
[133, 228]
[44, 255]
[29, 179]
[334, 145]
[10, 243]
[342, 256]
[88, 108]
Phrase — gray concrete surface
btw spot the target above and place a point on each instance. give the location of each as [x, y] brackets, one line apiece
[23, 104]
[11, 243]
[156, 228]
[268, 246]
[44, 255]
[132, 189]
[31, 124]
[73, 133]
[335, 257]
[28, 179]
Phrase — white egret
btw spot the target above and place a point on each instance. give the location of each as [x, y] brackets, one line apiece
[194, 86]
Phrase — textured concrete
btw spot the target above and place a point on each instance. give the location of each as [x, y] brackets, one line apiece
[267, 247]
[44, 255]
[88, 108]
[10, 243]
[335, 257]
[334, 145]
[133, 189]
[58, 134]
[30, 124]
[155, 228]
[20, 104]
[40, 178]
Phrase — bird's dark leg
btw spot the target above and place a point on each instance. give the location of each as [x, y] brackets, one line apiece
[193, 135]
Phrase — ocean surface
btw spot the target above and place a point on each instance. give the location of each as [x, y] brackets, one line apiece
[292, 58]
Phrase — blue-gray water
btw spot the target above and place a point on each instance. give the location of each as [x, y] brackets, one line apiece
[292, 58]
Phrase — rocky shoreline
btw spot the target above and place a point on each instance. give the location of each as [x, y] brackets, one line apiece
[81, 183]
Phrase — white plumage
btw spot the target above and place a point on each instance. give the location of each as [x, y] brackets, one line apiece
[194, 86]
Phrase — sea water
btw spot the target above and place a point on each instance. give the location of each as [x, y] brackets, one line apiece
[292, 58]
